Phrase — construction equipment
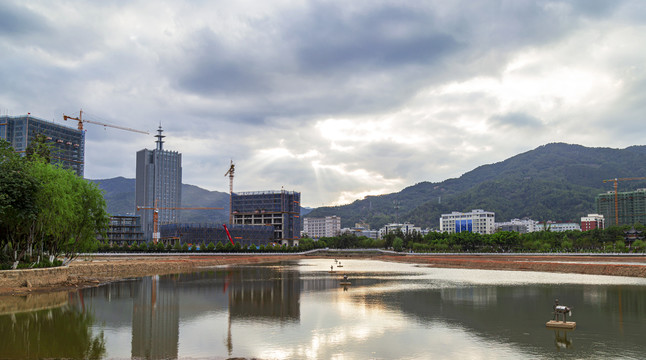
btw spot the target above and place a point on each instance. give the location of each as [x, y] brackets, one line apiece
[156, 216]
[230, 173]
[615, 181]
[228, 234]
[81, 121]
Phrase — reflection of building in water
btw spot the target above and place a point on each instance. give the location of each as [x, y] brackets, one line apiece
[155, 320]
[473, 295]
[257, 293]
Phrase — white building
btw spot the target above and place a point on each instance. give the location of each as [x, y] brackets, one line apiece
[361, 229]
[322, 227]
[405, 228]
[558, 227]
[518, 225]
[477, 221]
[592, 221]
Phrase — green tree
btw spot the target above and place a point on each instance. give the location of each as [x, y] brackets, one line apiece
[398, 244]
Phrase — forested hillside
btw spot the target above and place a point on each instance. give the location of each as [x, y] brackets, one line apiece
[120, 198]
[552, 182]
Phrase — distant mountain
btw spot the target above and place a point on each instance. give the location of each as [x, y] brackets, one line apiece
[120, 199]
[552, 182]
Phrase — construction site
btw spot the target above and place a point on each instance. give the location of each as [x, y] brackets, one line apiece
[255, 218]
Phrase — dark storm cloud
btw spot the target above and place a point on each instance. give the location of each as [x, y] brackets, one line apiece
[210, 67]
[326, 39]
[18, 20]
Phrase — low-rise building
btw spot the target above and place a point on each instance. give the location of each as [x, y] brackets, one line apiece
[477, 221]
[124, 230]
[558, 227]
[521, 226]
[592, 221]
[322, 227]
[405, 228]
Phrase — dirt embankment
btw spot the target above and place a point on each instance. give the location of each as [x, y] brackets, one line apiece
[97, 270]
[634, 266]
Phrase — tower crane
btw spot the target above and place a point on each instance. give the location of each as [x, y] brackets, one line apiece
[615, 181]
[230, 173]
[81, 121]
[156, 215]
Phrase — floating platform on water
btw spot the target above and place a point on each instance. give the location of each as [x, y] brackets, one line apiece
[561, 325]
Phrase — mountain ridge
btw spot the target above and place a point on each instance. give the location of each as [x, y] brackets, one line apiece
[555, 181]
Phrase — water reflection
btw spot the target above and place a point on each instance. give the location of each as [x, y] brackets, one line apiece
[60, 331]
[300, 310]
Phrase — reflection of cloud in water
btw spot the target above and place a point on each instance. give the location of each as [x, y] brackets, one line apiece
[595, 295]
[473, 295]
[335, 331]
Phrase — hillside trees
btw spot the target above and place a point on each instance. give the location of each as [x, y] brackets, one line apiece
[45, 211]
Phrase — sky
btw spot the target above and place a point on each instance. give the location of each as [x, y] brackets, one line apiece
[334, 99]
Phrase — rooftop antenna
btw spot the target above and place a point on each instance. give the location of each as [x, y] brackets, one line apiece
[159, 136]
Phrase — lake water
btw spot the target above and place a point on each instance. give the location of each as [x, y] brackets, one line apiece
[298, 310]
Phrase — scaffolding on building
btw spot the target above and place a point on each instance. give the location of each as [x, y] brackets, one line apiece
[204, 234]
[281, 209]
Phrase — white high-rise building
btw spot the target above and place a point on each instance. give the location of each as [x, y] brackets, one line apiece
[477, 221]
[322, 227]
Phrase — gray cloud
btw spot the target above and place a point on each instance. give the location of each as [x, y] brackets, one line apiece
[443, 82]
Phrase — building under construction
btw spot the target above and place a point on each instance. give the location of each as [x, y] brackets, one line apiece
[124, 230]
[631, 207]
[280, 209]
[204, 234]
[67, 144]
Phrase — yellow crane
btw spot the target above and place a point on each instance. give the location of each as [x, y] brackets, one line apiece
[81, 121]
[615, 181]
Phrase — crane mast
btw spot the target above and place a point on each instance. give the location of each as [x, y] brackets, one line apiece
[615, 181]
[230, 174]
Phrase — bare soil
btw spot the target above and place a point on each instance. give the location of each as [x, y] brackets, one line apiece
[97, 270]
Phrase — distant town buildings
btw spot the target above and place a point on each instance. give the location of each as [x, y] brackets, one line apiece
[521, 226]
[281, 209]
[68, 144]
[361, 229]
[593, 221]
[631, 207]
[558, 227]
[405, 228]
[322, 227]
[477, 221]
[158, 184]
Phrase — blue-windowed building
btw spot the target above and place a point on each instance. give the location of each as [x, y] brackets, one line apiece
[477, 221]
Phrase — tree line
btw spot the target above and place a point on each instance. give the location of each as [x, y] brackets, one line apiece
[597, 240]
[46, 211]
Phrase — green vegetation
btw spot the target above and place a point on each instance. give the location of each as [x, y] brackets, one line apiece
[553, 182]
[45, 211]
[600, 241]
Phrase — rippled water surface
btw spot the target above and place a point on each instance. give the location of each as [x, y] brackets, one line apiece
[299, 310]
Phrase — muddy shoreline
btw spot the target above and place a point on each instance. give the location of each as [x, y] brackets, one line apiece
[87, 272]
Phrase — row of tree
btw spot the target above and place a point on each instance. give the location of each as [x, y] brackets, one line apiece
[608, 240]
[598, 240]
[46, 211]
